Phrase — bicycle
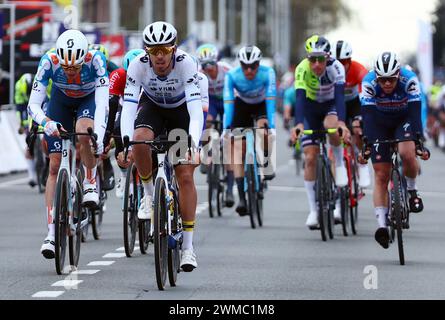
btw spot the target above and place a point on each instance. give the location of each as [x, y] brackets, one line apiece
[68, 203]
[254, 185]
[166, 226]
[216, 175]
[34, 143]
[326, 191]
[398, 216]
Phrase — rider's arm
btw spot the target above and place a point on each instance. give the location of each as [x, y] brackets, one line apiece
[101, 94]
[194, 104]
[271, 94]
[339, 97]
[204, 86]
[414, 103]
[38, 92]
[299, 106]
[300, 86]
[229, 101]
[368, 104]
[131, 100]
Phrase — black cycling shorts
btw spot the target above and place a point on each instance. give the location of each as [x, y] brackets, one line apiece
[244, 113]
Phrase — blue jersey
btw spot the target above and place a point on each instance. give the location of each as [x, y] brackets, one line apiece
[94, 73]
[407, 90]
[261, 88]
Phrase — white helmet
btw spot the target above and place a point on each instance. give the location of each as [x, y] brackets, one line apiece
[207, 53]
[159, 33]
[387, 65]
[249, 55]
[71, 47]
[343, 50]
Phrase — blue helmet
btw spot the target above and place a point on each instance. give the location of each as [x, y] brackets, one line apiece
[130, 55]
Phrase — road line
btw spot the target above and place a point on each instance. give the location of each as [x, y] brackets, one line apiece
[13, 182]
[67, 283]
[114, 255]
[101, 263]
[123, 249]
[48, 294]
[84, 272]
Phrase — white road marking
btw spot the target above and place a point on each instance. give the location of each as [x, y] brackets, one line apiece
[13, 182]
[114, 255]
[123, 249]
[48, 294]
[66, 283]
[101, 263]
[84, 272]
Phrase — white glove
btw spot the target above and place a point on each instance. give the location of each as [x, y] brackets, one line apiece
[51, 128]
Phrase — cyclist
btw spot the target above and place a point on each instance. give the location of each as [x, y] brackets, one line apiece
[80, 89]
[255, 85]
[118, 78]
[111, 66]
[171, 100]
[216, 71]
[355, 72]
[320, 85]
[391, 109]
[23, 88]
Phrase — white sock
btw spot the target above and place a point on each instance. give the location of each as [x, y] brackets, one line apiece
[90, 174]
[148, 188]
[381, 213]
[51, 229]
[310, 192]
[187, 240]
[410, 183]
[338, 155]
[31, 169]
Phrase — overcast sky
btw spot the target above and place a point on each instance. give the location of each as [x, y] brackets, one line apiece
[380, 25]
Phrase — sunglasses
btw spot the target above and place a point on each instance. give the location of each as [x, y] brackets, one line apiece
[313, 59]
[154, 51]
[206, 65]
[252, 66]
[71, 68]
[383, 80]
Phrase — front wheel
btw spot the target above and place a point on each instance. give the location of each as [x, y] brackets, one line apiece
[160, 234]
[76, 235]
[60, 219]
[130, 207]
[251, 195]
[397, 214]
[344, 204]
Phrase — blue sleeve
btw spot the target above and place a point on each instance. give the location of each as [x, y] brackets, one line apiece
[368, 115]
[299, 105]
[415, 115]
[229, 102]
[271, 95]
[339, 96]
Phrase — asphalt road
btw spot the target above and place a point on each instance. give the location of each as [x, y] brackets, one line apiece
[282, 260]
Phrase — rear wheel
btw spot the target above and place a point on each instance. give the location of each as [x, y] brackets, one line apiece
[97, 214]
[76, 235]
[212, 193]
[354, 197]
[160, 233]
[221, 196]
[174, 257]
[344, 204]
[60, 219]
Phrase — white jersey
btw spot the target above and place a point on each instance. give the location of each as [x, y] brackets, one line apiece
[216, 86]
[180, 86]
[204, 86]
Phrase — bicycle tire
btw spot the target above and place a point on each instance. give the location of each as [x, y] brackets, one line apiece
[75, 238]
[60, 219]
[320, 197]
[397, 214]
[40, 166]
[354, 194]
[251, 195]
[344, 204]
[212, 190]
[97, 213]
[174, 258]
[130, 206]
[160, 234]
[220, 195]
[85, 211]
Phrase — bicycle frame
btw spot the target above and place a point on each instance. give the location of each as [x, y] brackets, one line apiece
[250, 157]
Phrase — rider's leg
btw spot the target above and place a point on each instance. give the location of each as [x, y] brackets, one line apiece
[341, 176]
[311, 152]
[407, 151]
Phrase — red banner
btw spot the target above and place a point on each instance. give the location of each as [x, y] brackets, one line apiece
[115, 44]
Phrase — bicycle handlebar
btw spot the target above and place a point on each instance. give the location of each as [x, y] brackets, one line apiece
[325, 131]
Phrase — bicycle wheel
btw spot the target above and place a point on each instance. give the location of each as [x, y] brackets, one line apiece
[344, 204]
[40, 166]
[212, 190]
[160, 233]
[331, 196]
[144, 227]
[321, 200]
[85, 210]
[75, 238]
[220, 195]
[60, 219]
[259, 204]
[251, 195]
[130, 208]
[397, 214]
[97, 213]
[354, 192]
[175, 240]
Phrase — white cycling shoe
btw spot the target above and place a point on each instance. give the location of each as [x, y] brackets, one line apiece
[48, 247]
[90, 195]
[120, 188]
[312, 220]
[188, 260]
[145, 211]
